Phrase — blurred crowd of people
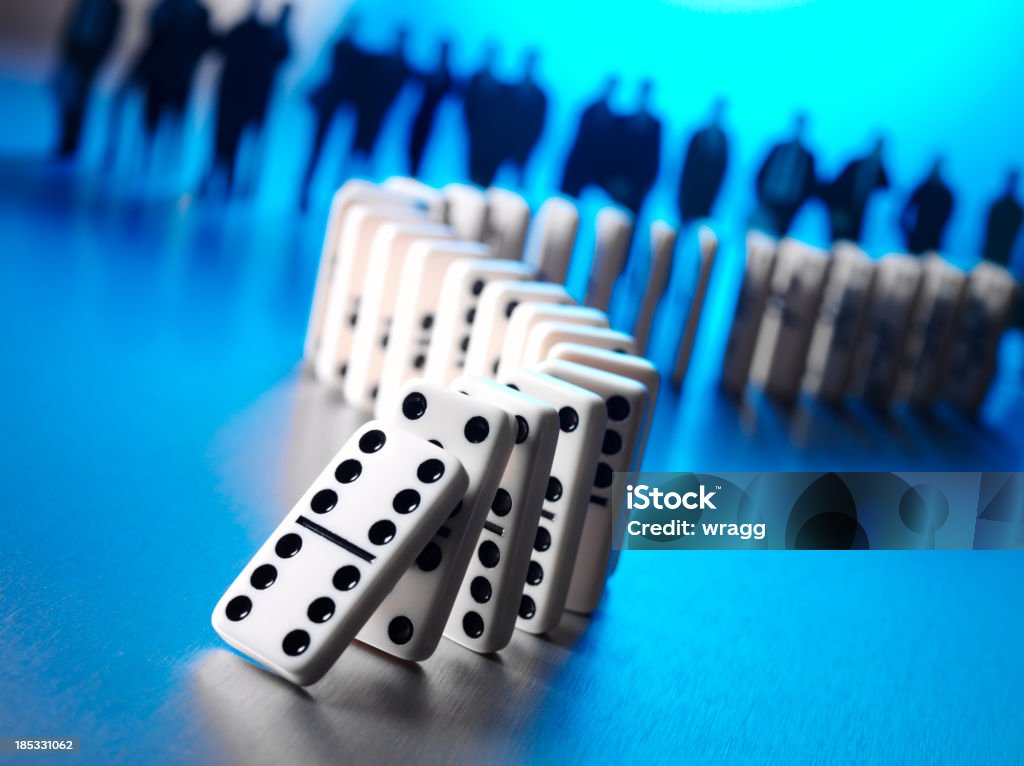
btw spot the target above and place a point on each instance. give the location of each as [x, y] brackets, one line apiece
[504, 121]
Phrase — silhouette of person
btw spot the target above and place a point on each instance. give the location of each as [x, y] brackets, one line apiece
[87, 40]
[179, 34]
[436, 84]
[350, 66]
[635, 154]
[707, 157]
[376, 93]
[785, 182]
[847, 197]
[252, 53]
[528, 107]
[1003, 223]
[482, 109]
[927, 212]
[587, 160]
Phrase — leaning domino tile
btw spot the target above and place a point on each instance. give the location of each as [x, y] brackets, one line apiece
[325, 569]
[456, 311]
[410, 621]
[351, 193]
[359, 228]
[707, 246]
[582, 419]
[508, 218]
[746, 321]
[427, 196]
[389, 258]
[611, 248]
[466, 211]
[529, 315]
[416, 308]
[634, 367]
[551, 239]
[626, 402]
[497, 303]
[545, 335]
[486, 607]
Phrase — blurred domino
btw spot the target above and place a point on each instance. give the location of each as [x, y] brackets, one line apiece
[551, 239]
[484, 616]
[457, 308]
[663, 246]
[494, 311]
[582, 419]
[707, 247]
[840, 325]
[416, 309]
[746, 321]
[466, 211]
[529, 315]
[391, 251]
[611, 248]
[545, 335]
[508, 219]
[320, 575]
[625, 402]
[410, 621]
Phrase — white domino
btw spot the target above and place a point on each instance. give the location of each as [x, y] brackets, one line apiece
[897, 288]
[498, 301]
[484, 615]
[359, 229]
[457, 308]
[529, 315]
[466, 211]
[388, 265]
[351, 193]
[551, 239]
[426, 196]
[416, 309]
[508, 219]
[320, 575]
[582, 421]
[410, 621]
[990, 299]
[707, 249]
[626, 402]
[659, 273]
[746, 321]
[840, 324]
[943, 287]
[628, 366]
[611, 248]
[545, 335]
[790, 317]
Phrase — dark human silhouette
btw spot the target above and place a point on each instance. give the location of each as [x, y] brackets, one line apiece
[178, 35]
[707, 157]
[252, 53]
[847, 197]
[785, 182]
[927, 212]
[482, 111]
[376, 94]
[348, 72]
[1002, 226]
[437, 83]
[635, 153]
[586, 163]
[87, 40]
[527, 110]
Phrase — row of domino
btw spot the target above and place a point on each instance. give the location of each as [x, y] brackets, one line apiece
[480, 501]
[838, 324]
